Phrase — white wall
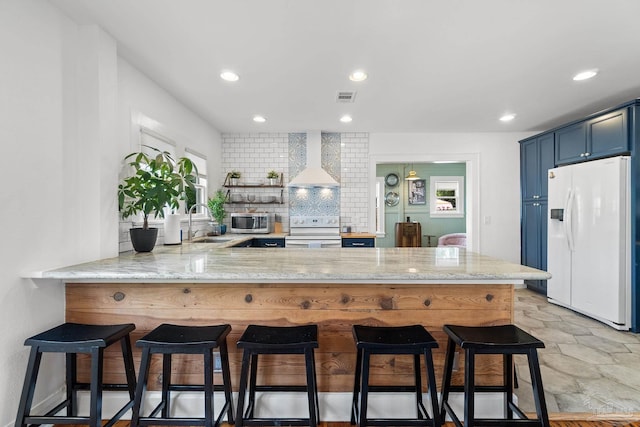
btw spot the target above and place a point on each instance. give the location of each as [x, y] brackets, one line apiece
[498, 191]
[65, 120]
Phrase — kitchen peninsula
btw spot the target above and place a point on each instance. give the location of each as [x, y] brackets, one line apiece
[208, 283]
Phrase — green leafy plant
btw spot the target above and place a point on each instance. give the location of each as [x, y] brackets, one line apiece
[273, 175]
[234, 174]
[216, 206]
[156, 182]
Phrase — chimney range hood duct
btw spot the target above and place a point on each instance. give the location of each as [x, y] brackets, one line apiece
[313, 175]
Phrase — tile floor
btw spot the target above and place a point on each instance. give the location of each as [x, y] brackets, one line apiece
[587, 367]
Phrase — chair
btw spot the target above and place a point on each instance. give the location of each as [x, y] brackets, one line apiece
[506, 340]
[453, 239]
[408, 235]
[258, 339]
[71, 339]
[168, 340]
[413, 340]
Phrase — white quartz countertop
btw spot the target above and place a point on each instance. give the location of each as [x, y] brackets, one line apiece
[214, 262]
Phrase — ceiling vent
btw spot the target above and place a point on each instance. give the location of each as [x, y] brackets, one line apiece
[346, 96]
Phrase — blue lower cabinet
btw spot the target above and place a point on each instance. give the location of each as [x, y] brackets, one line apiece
[358, 242]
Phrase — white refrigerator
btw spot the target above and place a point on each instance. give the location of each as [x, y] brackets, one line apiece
[589, 239]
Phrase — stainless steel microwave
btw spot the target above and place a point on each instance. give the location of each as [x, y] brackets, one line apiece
[252, 222]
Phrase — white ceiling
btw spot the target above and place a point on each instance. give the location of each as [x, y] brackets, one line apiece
[433, 65]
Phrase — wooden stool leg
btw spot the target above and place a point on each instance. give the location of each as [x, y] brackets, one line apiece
[95, 410]
[469, 387]
[244, 374]
[141, 386]
[166, 383]
[508, 385]
[446, 381]
[364, 393]
[538, 391]
[26, 400]
[311, 387]
[208, 388]
[417, 373]
[226, 379]
[433, 391]
[356, 387]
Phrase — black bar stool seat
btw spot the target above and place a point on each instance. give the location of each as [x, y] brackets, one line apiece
[167, 340]
[71, 339]
[506, 340]
[413, 340]
[259, 339]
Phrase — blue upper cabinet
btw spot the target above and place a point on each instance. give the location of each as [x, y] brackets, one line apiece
[536, 158]
[602, 136]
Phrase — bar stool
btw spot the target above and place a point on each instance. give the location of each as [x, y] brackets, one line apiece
[506, 340]
[413, 340]
[168, 340]
[257, 340]
[71, 339]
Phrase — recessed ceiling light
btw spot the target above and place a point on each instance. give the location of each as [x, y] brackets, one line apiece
[585, 75]
[259, 119]
[229, 76]
[358, 76]
[346, 118]
[507, 117]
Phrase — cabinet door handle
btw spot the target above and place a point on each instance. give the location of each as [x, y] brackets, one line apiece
[587, 154]
[581, 154]
[357, 243]
[270, 245]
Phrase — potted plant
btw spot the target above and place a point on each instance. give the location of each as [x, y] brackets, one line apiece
[273, 176]
[157, 181]
[234, 176]
[216, 207]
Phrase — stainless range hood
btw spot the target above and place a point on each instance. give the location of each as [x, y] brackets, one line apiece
[313, 175]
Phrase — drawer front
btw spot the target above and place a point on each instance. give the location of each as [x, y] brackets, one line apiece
[268, 243]
[358, 242]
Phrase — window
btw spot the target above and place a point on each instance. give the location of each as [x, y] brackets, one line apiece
[446, 196]
[200, 194]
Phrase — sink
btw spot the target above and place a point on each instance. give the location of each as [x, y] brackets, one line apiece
[212, 239]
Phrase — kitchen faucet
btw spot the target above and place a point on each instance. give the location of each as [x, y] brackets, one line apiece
[191, 209]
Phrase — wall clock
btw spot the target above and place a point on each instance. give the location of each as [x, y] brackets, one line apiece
[391, 180]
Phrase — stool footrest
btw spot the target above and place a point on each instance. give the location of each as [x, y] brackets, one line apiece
[276, 422]
[281, 388]
[194, 387]
[399, 422]
[392, 388]
[480, 389]
[489, 422]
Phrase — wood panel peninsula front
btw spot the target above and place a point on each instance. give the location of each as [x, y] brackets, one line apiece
[203, 283]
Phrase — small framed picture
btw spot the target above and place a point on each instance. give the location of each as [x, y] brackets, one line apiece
[417, 192]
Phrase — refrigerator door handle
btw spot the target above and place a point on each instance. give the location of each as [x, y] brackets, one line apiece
[568, 226]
